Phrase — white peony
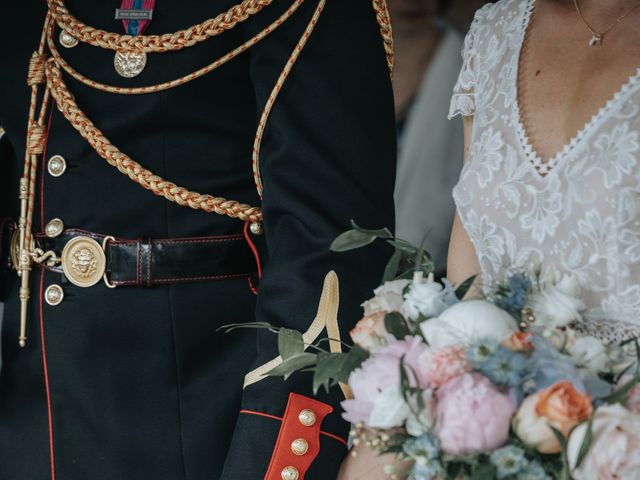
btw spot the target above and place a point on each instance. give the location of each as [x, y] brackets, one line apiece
[466, 322]
[557, 305]
[424, 297]
[388, 298]
[389, 409]
[615, 447]
[590, 353]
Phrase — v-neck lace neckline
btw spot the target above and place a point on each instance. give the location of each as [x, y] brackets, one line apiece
[544, 168]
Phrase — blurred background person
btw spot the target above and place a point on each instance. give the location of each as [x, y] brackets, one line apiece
[428, 37]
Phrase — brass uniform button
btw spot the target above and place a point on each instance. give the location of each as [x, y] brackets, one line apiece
[54, 295]
[56, 165]
[54, 228]
[299, 446]
[256, 228]
[290, 473]
[67, 40]
[307, 417]
[83, 261]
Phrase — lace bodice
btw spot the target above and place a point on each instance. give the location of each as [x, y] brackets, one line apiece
[580, 212]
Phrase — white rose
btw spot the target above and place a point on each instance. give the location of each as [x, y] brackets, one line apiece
[422, 423]
[389, 409]
[424, 297]
[615, 447]
[388, 298]
[466, 322]
[557, 305]
[589, 352]
[534, 429]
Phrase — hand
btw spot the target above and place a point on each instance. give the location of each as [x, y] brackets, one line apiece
[369, 465]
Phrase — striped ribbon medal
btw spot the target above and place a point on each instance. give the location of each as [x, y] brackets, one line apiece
[135, 16]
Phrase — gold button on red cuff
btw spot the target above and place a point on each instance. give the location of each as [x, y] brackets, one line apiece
[298, 441]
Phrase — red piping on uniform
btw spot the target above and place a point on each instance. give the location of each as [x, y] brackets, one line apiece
[251, 286]
[46, 381]
[253, 247]
[44, 157]
[266, 415]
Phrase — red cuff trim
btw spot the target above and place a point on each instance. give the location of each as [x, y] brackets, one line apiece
[274, 417]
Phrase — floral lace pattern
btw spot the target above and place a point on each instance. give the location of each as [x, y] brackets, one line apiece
[579, 212]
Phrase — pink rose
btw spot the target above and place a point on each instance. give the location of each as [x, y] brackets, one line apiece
[381, 372]
[369, 333]
[614, 447]
[443, 364]
[472, 415]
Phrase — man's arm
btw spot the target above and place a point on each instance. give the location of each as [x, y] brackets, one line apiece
[328, 155]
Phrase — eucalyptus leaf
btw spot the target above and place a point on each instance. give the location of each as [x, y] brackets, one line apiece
[290, 343]
[403, 246]
[464, 287]
[293, 364]
[396, 325]
[383, 233]
[328, 370]
[351, 240]
[391, 270]
[235, 326]
[586, 443]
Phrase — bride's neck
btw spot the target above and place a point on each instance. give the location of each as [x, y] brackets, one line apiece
[600, 8]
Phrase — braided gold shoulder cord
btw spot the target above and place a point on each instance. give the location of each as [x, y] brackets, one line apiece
[46, 71]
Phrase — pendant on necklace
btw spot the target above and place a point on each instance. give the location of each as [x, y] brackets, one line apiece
[596, 40]
[129, 64]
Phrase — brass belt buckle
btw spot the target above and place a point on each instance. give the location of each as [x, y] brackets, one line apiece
[83, 261]
[14, 248]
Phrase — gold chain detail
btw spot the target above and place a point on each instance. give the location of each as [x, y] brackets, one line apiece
[155, 43]
[384, 21]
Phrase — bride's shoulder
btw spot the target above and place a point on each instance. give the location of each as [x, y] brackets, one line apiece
[502, 13]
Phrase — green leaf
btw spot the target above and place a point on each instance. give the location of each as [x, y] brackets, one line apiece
[464, 287]
[292, 365]
[351, 240]
[564, 473]
[290, 343]
[235, 326]
[484, 472]
[391, 270]
[403, 246]
[621, 395]
[336, 367]
[383, 233]
[586, 443]
[396, 325]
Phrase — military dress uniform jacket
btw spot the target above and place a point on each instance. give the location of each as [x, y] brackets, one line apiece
[137, 382]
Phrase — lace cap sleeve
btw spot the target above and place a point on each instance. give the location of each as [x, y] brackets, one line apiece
[463, 101]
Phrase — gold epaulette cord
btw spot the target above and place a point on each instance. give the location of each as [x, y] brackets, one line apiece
[48, 71]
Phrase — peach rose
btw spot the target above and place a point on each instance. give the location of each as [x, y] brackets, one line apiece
[518, 341]
[563, 406]
[559, 406]
[369, 332]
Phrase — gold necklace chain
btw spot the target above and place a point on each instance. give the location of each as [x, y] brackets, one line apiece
[598, 37]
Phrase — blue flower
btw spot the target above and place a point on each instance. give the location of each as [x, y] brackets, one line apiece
[505, 367]
[548, 366]
[425, 451]
[533, 471]
[509, 461]
[519, 286]
[479, 352]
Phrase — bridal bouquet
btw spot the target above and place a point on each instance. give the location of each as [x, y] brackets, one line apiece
[498, 386]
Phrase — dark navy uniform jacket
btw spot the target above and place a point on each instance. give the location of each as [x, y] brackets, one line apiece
[138, 383]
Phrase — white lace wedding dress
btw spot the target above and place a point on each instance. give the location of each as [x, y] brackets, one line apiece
[580, 212]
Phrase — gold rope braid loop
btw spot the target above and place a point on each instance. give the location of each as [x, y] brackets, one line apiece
[384, 21]
[61, 62]
[35, 139]
[134, 170]
[36, 76]
[155, 43]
